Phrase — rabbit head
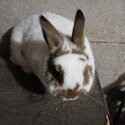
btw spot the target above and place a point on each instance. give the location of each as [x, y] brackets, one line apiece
[67, 69]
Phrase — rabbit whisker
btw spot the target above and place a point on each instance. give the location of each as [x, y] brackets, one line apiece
[95, 100]
[50, 101]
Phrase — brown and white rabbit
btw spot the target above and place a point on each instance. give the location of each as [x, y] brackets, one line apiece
[57, 51]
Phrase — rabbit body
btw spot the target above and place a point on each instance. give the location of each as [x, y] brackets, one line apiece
[31, 52]
[27, 37]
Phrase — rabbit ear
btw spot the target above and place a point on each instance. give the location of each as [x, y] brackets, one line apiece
[51, 35]
[78, 29]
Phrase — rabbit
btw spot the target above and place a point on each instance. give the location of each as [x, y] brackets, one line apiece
[57, 51]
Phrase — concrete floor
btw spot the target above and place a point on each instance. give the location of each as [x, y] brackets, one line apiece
[105, 27]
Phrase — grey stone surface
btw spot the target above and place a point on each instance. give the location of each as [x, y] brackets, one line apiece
[109, 58]
[105, 19]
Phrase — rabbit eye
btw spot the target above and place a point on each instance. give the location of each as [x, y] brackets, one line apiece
[59, 74]
[56, 71]
[58, 68]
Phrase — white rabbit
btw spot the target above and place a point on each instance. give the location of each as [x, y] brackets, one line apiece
[57, 51]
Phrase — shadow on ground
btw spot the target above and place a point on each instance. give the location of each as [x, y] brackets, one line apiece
[115, 96]
[28, 81]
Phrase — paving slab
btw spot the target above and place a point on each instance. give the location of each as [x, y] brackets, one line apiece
[109, 58]
[105, 19]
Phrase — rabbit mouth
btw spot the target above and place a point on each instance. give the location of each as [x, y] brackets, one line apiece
[69, 94]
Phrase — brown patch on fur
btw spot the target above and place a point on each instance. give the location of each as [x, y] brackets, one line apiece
[76, 88]
[77, 51]
[86, 75]
[59, 52]
[52, 41]
[80, 52]
[70, 93]
[54, 81]
[59, 80]
[56, 72]
[60, 70]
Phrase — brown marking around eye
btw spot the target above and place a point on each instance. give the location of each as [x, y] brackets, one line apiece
[61, 71]
[57, 67]
[86, 75]
[57, 75]
[77, 86]
[54, 81]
